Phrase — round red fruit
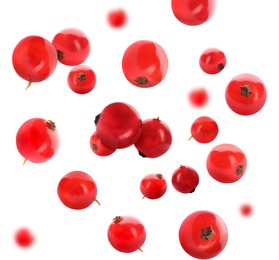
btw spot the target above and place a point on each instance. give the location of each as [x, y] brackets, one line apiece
[118, 125]
[126, 234]
[193, 12]
[145, 63]
[98, 147]
[77, 190]
[246, 94]
[37, 140]
[212, 61]
[155, 138]
[34, 59]
[72, 46]
[246, 209]
[153, 186]
[185, 179]
[24, 237]
[204, 129]
[226, 163]
[117, 18]
[198, 97]
[81, 79]
[203, 234]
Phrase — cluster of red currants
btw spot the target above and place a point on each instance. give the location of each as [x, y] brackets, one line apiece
[202, 234]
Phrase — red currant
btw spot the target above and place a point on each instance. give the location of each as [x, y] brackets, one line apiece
[204, 129]
[98, 147]
[24, 237]
[81, 79]
[212, 61]
[117, 18]
[153, 186]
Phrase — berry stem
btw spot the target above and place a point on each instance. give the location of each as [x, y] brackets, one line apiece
[97, 202]
[25, 160]
[190, 138]
[140, 250]
[29, 84]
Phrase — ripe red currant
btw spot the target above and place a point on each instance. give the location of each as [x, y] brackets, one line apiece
[212, 61]
[153, 186]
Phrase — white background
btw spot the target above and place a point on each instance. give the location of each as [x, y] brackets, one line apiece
[244, 30]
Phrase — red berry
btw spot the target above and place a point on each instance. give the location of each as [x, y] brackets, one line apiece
[198, 97]
[98, 147]
[81, 79]
[153, 186]
[24, 237]
[155, 138]
[77, 190]
[204, 129]
[212, 61]
[72, 46]
[117, 18]
[185, 179]
[145, 63]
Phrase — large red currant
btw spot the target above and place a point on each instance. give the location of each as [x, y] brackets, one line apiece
[145, 63]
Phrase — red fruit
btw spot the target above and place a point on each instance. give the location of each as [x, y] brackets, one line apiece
[72, 46]
[37, 140]
[34, 59]
[203, 234]
[212, 61]
[98, 147]
[24, 237]
[193, 12]
[226, 163]
[77, 190]
[145, 63]
[126, 234]
[198, 97]
[155, 139]
[245, 94]
[185, 179]
[153, 186]
[117, 18]
[118, 125]
[81, 79]
[246, 209]
[204, 129]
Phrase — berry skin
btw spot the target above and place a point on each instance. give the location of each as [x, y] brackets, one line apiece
[81, 79]
[145, 63]
[212, 61]
[185, 179]
[77, 190]
[98, 147]
[155, 138]
[204, 129]
[153, 186]
[126, 234]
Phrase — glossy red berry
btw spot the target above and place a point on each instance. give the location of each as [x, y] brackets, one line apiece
[126, 234]
[246, 94]
[155, 138]
[34, 59]
[145, 63]
[77, 190]
[246, 209]
[204, 129]
[185, 179]
[72, 46]
[81, 79]
[153, 186]
[226, 163]
[193, 12]
[98, 147]
[212, 61]
[37, 140]
[118, 125]
[203, 234]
